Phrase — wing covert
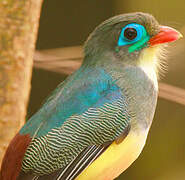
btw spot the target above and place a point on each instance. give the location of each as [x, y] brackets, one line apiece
[93, 114]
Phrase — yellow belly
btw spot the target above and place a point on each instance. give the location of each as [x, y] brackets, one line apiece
[116, 159]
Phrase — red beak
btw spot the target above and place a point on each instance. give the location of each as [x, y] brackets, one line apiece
[165, 35]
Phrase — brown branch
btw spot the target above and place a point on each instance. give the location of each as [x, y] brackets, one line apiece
[18, 30]
[172, 93]
[62, 60]
[67, 60]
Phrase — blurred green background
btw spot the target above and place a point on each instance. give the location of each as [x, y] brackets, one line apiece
[68, 23]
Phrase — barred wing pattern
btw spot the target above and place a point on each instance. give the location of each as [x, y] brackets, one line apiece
[97, 127]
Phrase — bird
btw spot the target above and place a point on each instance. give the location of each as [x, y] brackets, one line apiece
[95, 124]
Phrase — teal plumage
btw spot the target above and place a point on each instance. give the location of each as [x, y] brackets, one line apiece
[86, 88]
[98, 114]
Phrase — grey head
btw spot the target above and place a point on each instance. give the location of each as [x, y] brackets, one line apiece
[103, 41]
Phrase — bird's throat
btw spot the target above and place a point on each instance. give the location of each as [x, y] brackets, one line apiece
[149, 62]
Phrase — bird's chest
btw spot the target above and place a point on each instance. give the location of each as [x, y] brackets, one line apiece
[139, 86]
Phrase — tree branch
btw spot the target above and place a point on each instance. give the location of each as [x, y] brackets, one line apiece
[66, 60]
[18, 30]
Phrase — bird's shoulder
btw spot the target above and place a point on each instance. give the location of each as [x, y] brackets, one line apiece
[82, 92]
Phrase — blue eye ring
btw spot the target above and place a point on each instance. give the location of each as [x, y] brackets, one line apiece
[140, 32]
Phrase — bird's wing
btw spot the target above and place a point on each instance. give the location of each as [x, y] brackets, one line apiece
[74, 127]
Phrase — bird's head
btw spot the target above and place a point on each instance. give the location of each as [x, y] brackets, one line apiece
[133, 39]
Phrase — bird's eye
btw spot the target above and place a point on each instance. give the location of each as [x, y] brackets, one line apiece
[130, 33]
